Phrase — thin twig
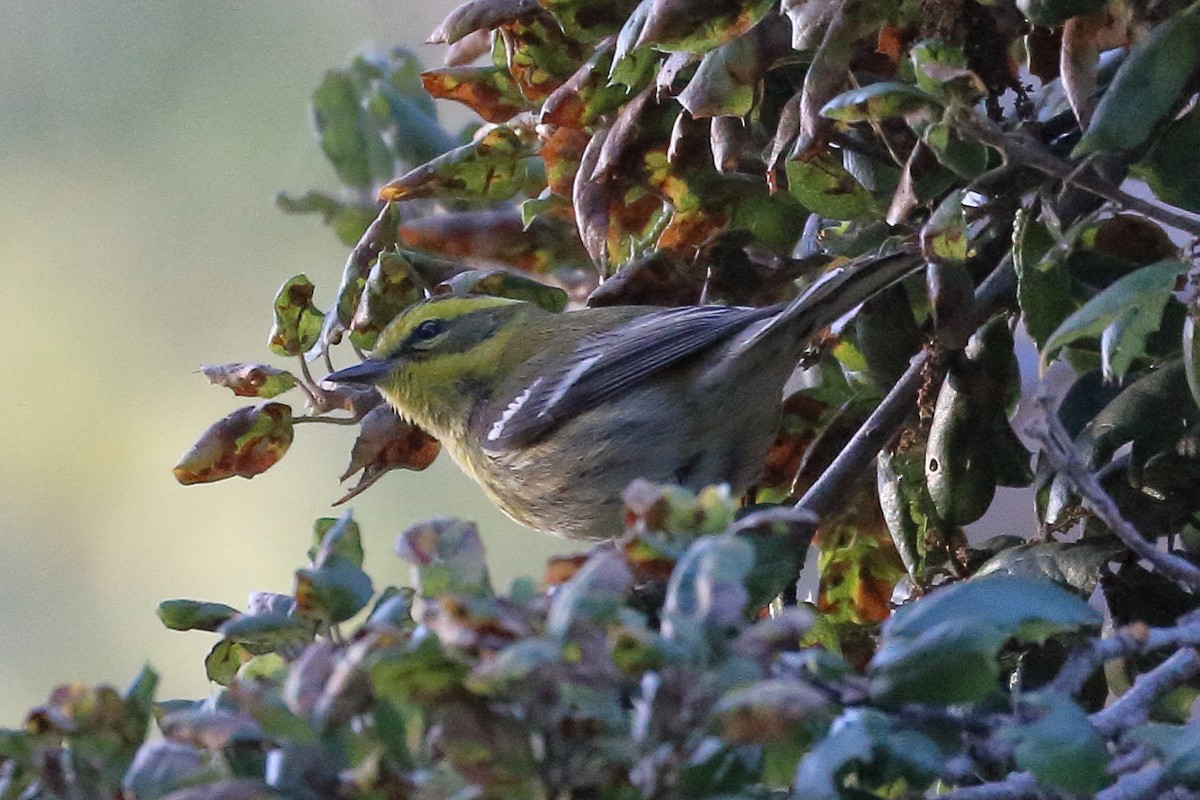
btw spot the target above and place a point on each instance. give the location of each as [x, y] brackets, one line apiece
[1132, 640]
[1133, 707]
[1023, 150]
[1065, 457]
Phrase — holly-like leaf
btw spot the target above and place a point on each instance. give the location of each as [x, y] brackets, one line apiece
[1122, 316]
[245, 443]
[490, 168]
[297, 321]
[250, 380]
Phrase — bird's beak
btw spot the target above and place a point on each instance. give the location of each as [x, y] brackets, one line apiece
[369, 372]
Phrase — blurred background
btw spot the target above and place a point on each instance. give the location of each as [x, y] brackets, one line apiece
[141, 143]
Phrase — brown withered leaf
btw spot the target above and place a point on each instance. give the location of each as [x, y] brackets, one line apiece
[250, 380]
[1134, 239]
[590, 199]
[496, 235]
[560, 569]
[1083, 39]
[661, 277]
[387, 442]
[490, 92]
[562, 150]
[476, 15]
[247, 442]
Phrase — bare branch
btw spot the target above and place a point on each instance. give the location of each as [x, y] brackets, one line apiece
[1133, 707]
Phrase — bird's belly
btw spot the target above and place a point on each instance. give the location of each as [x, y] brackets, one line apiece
[570, 482]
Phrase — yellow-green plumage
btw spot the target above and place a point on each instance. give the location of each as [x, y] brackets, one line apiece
[554, 414]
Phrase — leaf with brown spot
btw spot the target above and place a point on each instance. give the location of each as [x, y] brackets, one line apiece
[539, 56]
[250, 380]
[501, 283]
[392, 286]
[859, 564]
[562, 150]
[698, 25]
[589, 20]
[496, 235]
[490, 168]
[587, 94]
[386, 442]
[490, 92]
[297, 321]
[245, 443]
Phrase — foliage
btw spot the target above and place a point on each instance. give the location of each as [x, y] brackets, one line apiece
[627, 676]
[672, 153]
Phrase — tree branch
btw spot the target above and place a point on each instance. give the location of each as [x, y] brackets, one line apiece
[1133, 707]
[1064, 456]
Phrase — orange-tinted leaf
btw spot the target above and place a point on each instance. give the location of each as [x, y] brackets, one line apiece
[245, 443]
[562, 150]
[250, 380]
[490, 92]
[496, 235]
[589, 20]
[859, 564]
[386, 442]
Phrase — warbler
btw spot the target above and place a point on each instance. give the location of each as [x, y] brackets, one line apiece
[554, 414]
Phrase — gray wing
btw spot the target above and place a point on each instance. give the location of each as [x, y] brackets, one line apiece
[606, 365]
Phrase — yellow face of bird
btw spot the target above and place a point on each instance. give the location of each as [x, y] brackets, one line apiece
[438, 357]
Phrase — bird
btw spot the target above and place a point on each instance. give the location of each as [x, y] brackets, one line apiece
[554, 414]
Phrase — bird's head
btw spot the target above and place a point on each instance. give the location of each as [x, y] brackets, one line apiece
[439, 357]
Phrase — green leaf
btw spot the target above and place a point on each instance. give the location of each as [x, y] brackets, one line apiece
[194, 615]
[500, 283]
[349, 136]
[697, 26]
[1170, 168]
[706, 595]
[1122, 315]
[347, 219]
[489, 91]
[1147, 86]
[1178, 746]
[943, 649]
[1061, 748]
[336, 537]
[334, 591]
[824, 187]
[297, 321]
[447, 557]
[591, 597]
[878, 101]
[726, 82]
[392, 286]
[1044, 286]
[490, 168]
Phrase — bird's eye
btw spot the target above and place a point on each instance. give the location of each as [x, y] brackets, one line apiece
[428, 329]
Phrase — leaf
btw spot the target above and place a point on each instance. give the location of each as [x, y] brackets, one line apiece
[706, 595]
[589, 20]
[333, 590]
[247, 442]
[944, 238]
[1073, 565]
[499, 283]
[769, 711]
[943, 648]
[349, 136]
[1044, 284]
[592, 596]
[489, 168]
[495, 235]
[1147, 86]
[162, 766]
[1052, 13]
[447, 557]
[1060, 748]
[824, 187]
[1122, 315]
[490, 92]
[194, 615]
[392, 286]
[476, 15]
[347, 219]
[297, 321]
[697, 26]
[386, 442]
[727, 82]
[538, 55]
[336, 537]
[587, 95]
[250, 380]
[1171, 168]
[880, 101]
